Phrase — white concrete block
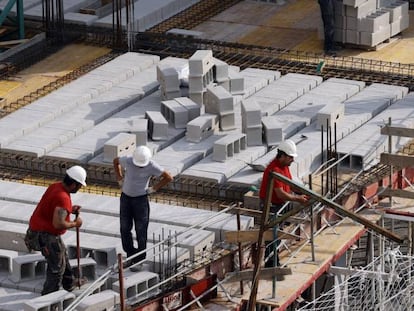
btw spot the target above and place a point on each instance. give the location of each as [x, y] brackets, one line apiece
[374, 22]
[120, 145]
[375, 38]
[200, 62]
[157, 125]
[139, 128]
[105, 300]
[227, 146]
[202, 127]
[54, 301]
[363, 9]
[329, 115]
[192, 107]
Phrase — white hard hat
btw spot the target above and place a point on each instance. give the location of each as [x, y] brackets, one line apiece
[288, 147]
[142, 155]
[78, 174]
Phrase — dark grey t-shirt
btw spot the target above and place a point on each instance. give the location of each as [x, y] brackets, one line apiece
[136, 178]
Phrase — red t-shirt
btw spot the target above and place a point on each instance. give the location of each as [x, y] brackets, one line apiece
[42, 218]
[275, 166]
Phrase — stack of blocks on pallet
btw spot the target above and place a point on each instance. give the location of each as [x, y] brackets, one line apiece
[368, 23]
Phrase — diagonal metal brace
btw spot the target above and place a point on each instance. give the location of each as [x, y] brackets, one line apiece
[338, 209]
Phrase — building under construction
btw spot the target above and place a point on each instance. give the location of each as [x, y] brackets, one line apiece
[212, 88]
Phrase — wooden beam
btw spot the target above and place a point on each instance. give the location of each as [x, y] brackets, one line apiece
[401, 193]
[12, 42]
[397, 159]
[338, 209]
[397, 131]
[265, 274]
[253, 236]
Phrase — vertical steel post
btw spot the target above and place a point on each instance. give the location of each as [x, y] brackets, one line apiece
[261, 244]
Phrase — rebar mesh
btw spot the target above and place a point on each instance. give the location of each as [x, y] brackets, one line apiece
[384, 284]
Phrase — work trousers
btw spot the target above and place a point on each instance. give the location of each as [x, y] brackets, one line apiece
[134, 211]
[58, 267]
[328, 18]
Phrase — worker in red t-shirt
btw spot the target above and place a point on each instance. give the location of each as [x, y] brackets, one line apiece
[282, 193]
[49, 221]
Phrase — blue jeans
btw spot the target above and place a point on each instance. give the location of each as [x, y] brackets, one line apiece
[134, 211]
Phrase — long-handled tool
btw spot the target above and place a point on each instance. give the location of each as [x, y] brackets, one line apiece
[78, 250]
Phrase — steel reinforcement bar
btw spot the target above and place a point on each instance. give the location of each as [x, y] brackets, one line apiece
[285, 61]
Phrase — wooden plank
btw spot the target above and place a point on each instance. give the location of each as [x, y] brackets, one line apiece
[338, 209]
[397, 159]
[253, 236]
[401, 193]
[12, 42]
[265, 274]
[397, 131]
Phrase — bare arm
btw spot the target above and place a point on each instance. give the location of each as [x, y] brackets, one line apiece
[164, 179]
[59, 219]
[117, 169]
[283, 195]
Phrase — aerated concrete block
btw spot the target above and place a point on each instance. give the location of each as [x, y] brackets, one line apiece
[120, 145]
[236, 83]
[174, 112]
[200, 62]
[272, 131]
[157, 125]
[168, 78]
[139, 128]
[375, 38]
[221, 70]
[192, 107]
[254, 135]
[218, 100]
[202, 127]
[28, 267]
[227, 146]
[397, 10]
[329, 115]
[399, 25]
[227, 122]
[105, 300]
[59, 300]
[251, 113]
[374, 22]
[364, 9]
[354, 3]
[135, 285]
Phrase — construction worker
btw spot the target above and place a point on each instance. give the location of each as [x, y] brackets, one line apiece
[51, 219]
[328, 18]
[281, 192]
[134, 174]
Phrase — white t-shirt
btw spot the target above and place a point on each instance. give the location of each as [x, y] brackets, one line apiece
[136, 178]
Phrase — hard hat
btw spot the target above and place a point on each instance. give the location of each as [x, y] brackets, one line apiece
[142, 155]
[78, 174]
[288, 147]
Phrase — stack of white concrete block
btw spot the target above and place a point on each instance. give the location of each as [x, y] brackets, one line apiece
[200, 74]
[252, 122]
[221, 102]
[369, 23]
[180, 111]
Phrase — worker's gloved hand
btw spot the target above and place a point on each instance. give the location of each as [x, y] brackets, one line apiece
[76, 209]
[150, 190]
